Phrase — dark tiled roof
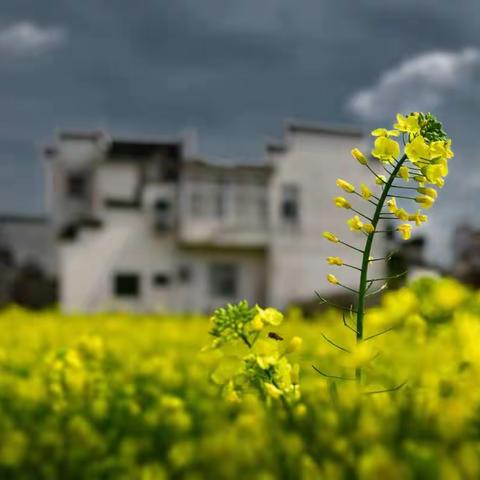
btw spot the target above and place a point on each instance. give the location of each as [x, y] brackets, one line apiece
[127, 148]
[18, 218]
[346, 130]
[202, 163]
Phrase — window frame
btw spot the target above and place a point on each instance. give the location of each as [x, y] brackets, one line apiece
[290, 203]
[226, 287]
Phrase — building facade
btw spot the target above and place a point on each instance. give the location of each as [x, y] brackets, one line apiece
[148, 226]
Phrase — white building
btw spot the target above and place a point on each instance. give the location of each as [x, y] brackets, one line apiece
[147, 226]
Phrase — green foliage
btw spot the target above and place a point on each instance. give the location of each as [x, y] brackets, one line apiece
[254, 360]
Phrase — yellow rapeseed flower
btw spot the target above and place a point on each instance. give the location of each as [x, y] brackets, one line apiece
[418, 218]
[344, 185]
[257, 323]
[407, 124]
[383, 132]
[272, 391]
[385, 149]
[402, 214]
[417, 150]
[435, 173]
[441, 149]
[269, 315]
[355, 223]
[294, 345]
[405, 229]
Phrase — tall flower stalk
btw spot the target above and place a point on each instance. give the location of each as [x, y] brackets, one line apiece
[411, 176]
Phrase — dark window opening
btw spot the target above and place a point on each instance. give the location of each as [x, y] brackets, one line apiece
[162, 205]
[290, 209]
[223, 279]
[185, 273]
[162, 214]
[161, 280]
[126, 285]
[77, 185]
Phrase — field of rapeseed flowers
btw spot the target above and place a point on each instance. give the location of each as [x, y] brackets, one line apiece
[136, 397]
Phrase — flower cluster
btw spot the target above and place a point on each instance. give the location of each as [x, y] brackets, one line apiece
[253, 360]
[125, 396]
[411, 176]
[424, 164]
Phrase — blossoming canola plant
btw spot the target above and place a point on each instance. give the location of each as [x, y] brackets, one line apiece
[262, 364]
[423, 166]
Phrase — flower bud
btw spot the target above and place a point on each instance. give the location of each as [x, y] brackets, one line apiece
[431, 192]
[380, 180]
[344, 185]
[403, 173]
[425, 201]
[368, 228]
[335, 261]
[359, 156]
[332, 279]
[366, 192]
[342, 202]
[330, 237]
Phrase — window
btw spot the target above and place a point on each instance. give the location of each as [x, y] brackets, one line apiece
[219, 202]
[290, 208]
[223, 279]
[196, 204]
[77, 185]
[162, 214]
[161, 280]
[126, 285]
[162, 205]
[184, 273]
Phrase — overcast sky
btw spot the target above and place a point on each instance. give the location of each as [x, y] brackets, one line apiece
[234, 70]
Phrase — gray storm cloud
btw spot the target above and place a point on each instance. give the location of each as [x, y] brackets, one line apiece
[26, 38]
[233, 70]
[446, 83]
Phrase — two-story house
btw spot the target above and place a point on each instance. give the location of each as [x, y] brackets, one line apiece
[149, 226]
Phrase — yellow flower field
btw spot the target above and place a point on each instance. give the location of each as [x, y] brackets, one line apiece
[132, 396]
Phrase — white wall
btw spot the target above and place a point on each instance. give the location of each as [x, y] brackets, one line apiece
[128, 243]
[297, 265]
[117, 180]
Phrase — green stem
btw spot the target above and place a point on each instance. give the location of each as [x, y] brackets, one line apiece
[365, 259]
